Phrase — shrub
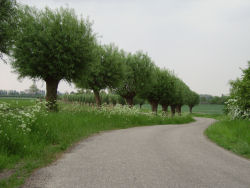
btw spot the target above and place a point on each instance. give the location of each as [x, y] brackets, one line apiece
[235, 111]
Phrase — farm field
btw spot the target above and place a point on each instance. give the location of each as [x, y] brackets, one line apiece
[18, 102]
[201, 108]
[31, 137]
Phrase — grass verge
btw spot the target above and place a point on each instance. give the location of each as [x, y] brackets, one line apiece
[233, 135]
[49, 136]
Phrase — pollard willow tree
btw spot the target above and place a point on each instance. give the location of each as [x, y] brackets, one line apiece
[106, 71]
[52, 45]
[179, 95]
[182, 91]
[160, 88]
[137, 78]
[168, 95]
[192, 100]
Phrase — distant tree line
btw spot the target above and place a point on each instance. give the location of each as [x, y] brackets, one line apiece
[32, 92]
[21, 94]
[55, 45]
[209, 99]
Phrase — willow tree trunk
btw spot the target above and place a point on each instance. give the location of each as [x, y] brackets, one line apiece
[97, 98]
[178, 109]
[51, 93]
[172, 109]
[164, 108]
[154, 106]
[190, 109]
[129, 101]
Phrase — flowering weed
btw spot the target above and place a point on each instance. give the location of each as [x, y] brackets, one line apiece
[16, 123]
[235, 111]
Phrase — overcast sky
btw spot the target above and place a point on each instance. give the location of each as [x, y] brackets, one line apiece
[205, 42]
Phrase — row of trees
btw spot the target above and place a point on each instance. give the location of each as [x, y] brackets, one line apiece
[130, 75]
[55, 45]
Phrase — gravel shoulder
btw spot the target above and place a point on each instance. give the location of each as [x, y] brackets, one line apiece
[152, 156]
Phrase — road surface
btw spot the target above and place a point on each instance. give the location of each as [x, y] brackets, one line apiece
[147, 157]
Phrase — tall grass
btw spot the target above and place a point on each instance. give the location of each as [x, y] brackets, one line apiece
[233, 135]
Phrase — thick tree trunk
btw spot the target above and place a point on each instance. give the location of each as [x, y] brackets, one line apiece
[140, 106]
[129, 101]
[97, 98]
[154, 106]
[51, 93]
[172, 109]
[190, 109]
[164, 108]
[178, 109]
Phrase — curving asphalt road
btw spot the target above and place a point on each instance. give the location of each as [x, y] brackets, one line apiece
[147, 157]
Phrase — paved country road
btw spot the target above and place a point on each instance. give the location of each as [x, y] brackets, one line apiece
[151, 157]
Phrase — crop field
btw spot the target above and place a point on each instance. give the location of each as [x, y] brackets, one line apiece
[17, 102]
[202, 108]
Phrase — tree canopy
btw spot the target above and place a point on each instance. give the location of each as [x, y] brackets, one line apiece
[8, 11]
[240, 93]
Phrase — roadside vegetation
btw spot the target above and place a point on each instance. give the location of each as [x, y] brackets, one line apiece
[31, 136]
[233, 135]
[233, 131]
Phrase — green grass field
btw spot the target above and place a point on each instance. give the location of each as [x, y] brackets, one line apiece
[202, 108]
[27, 147]
[17, 102]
